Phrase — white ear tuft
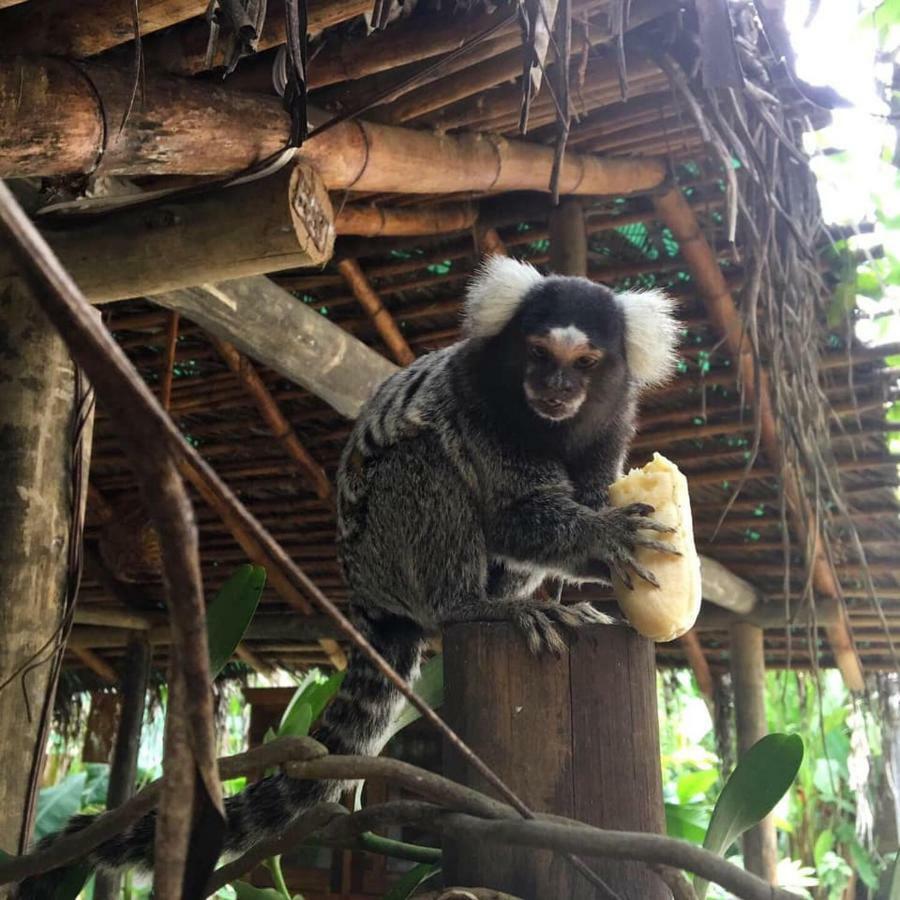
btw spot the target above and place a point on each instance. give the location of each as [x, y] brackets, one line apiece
[651, 336]
[495, 293]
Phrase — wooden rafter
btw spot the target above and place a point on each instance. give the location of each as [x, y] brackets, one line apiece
[381, 318]
[276, 420]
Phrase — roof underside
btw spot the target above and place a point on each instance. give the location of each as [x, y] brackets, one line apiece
[699, 421]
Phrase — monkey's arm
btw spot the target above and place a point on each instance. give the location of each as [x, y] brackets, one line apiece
[549, 529]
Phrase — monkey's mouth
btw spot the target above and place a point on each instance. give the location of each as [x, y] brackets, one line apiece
[553, 408]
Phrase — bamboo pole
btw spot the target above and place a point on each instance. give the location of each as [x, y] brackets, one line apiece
[57, 137]
[381, 318]
[381, 221]
[675, 212]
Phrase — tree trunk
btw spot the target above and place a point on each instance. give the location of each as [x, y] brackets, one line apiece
[748, 673]
[568, 238]
[37, 393]
[576, 736]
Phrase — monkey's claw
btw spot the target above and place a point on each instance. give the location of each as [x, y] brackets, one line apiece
[542, 624]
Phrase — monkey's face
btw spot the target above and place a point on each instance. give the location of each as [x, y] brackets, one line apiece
[573, 350]
[558, 369]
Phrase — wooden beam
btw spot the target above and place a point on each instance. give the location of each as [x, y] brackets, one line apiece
[272, 326]
[768, 616]
[381, 221]
[276, 420]
[563, 745]
[183, 49]
[62, 28]
[381, 318]
[56, 114]
[102, 669]
[676, 213]
[279, 222]
[722, 587]
[748, 673]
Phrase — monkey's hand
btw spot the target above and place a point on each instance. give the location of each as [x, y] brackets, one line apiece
[618, 536]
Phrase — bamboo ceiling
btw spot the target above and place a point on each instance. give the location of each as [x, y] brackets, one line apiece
[699, 421]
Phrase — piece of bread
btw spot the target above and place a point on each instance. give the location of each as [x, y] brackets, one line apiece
[666, 612]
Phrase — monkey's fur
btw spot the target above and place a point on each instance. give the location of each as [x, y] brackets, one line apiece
[468, 478]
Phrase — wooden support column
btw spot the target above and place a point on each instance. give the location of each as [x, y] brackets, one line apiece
[568, 238]
[37, 398]
[123, 772]
[748, 675]
[381, 318]
[577, 736]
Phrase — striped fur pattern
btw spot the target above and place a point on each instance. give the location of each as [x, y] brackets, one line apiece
[455, 501]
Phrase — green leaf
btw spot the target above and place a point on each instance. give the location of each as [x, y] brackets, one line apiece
[862, 863]
[686, 822]
[246, 891]
[228, 616]
[410, 881]
[824, 843]
[430, 687]
[297, 724]
[57, 804]
[691, 784]
[894, 891]
[314, 692]
[759, 781]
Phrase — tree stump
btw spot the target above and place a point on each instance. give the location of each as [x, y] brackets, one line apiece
[576, 736]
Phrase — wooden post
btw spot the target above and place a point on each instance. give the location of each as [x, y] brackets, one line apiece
[577, 736]
[748, 673]
[123, 772]
[568, 238]
[37, 394]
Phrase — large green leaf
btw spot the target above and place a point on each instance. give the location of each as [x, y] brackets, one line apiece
[245, 891]
[57, 804]
[686, 822]
[759, 781]
[690, 784]
[313, 692]
[410, 881]
[230, 613]
[430, 687]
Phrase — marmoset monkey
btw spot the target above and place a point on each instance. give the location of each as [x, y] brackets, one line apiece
[469, 477]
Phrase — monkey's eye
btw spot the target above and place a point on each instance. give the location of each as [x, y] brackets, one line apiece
[536, 351]
[586, 362]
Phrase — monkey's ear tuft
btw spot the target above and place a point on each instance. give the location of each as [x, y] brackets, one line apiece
[495, 293]
[651, 336]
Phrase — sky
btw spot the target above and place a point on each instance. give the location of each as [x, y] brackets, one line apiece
[839, 48]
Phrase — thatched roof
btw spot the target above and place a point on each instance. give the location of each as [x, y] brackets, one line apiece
[735, 152]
